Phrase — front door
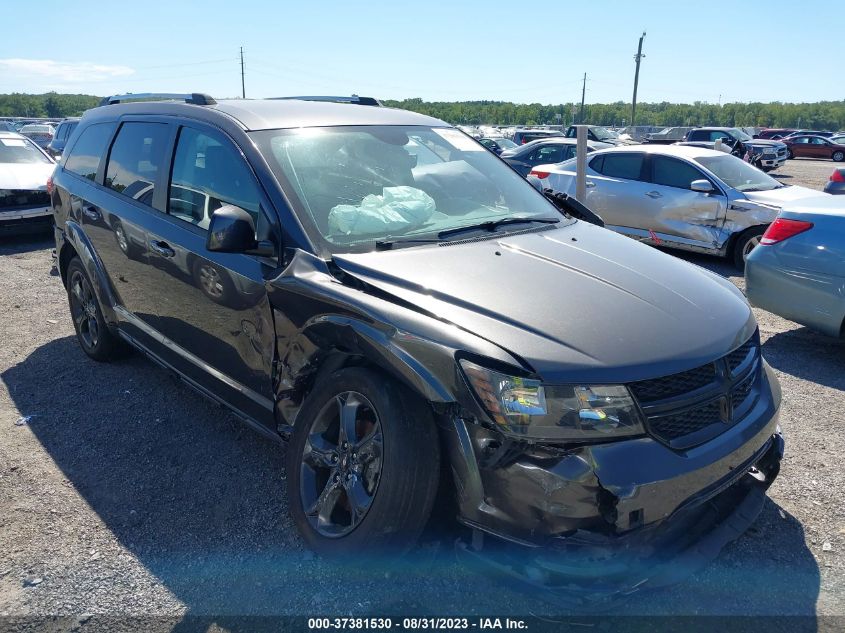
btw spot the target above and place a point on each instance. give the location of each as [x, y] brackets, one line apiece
[213, 307]
[679, 215]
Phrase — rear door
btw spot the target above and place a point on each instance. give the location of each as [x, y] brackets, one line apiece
[616, 190]
[110, 219]
[801, 146]
[213, 308]
[117, 226]
[680, 216]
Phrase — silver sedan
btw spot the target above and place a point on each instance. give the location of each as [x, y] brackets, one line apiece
[681, 197]
[796, 271]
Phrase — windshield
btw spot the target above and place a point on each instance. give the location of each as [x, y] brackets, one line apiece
[359, 185]
[20, 151]
[739, 134]
[738, 174]
[603, 133]
[505, 143]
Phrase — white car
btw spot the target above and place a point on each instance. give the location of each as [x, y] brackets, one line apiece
[24, 171]
[679, 196]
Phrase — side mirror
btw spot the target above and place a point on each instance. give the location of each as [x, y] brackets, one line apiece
[702, 186]
[535, 182]
[231, 230]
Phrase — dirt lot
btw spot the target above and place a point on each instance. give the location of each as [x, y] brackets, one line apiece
[126, 493]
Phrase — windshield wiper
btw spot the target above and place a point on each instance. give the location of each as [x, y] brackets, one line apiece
[387, 244]
[492, 225]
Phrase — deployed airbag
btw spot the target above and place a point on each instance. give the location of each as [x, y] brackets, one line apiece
[397, 208]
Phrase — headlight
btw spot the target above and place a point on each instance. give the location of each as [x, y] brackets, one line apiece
[528, 409]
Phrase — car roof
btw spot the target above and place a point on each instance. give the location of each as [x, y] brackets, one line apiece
[679, 151]
[266, 114]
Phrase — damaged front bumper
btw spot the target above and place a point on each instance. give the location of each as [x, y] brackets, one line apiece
[587, 524]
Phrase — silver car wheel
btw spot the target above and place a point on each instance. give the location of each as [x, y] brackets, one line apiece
[750, 245]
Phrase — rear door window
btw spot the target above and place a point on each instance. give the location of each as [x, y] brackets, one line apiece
[136, 156]
[84, 157]
[672, 172]
[549, 154]
[208, 172]
[627, 166]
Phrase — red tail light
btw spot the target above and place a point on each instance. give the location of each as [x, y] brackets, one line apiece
[782, 229]
[539, 174]
[838, 175]
[50, 185]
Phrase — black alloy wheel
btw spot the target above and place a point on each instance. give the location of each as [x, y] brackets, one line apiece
[341, 464]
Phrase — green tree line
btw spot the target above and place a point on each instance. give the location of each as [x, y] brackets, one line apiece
[829, 115]
[51, 104]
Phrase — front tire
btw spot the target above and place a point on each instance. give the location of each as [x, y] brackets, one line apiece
[362, 465]
[92, 332]
[746, 242]
[838, 156]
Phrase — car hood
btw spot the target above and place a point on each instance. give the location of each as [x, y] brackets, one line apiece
[577, 303]
[25, 176]
[760, 142]
[784, 195]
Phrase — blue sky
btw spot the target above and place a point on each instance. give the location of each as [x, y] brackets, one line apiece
[515, 51]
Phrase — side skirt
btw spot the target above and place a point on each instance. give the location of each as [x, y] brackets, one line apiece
[249, 421]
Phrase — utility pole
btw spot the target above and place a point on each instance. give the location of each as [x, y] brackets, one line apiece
[583, 94]
[243, 85]
[638, 57]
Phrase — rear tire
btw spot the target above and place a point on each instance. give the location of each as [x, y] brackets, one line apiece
[375, 494]
[747, 241]
[94, 336]
[838, 156]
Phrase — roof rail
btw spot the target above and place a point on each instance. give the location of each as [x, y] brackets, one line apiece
[196, 98]
[368, 101]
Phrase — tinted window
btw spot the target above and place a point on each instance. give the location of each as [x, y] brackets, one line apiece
[627, 166]
[672, 172]
[135, 158]
[206, 175]
[84, 158]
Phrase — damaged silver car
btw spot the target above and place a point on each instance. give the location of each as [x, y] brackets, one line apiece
[681, 197]
[422, 326]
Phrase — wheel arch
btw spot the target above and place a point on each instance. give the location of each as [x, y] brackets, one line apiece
[332, 342]
[76, 244]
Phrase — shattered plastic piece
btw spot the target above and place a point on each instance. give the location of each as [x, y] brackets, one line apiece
[23, 420]
[32, 581]
[398, 208]
[827, 547]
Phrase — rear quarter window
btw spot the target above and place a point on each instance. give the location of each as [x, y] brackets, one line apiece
[84, 158]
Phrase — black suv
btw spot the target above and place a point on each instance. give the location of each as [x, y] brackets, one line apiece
[412, 316]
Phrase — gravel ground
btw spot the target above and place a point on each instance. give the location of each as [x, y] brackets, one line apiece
[127, 494]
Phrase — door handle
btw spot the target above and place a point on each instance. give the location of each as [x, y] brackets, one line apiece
[654, 194]
[91, 212]
[162, 248]
[589, 183]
